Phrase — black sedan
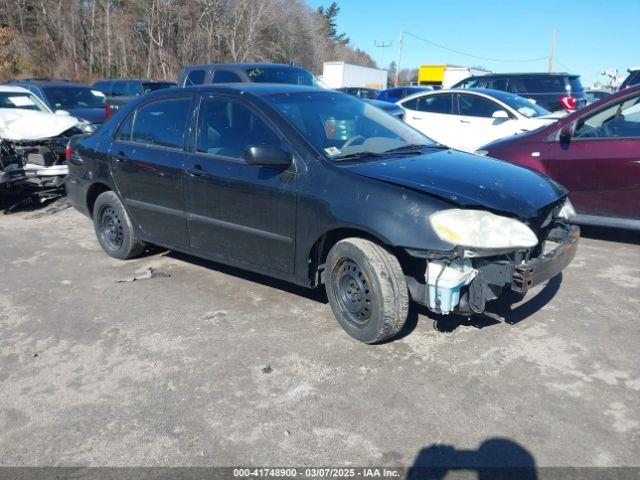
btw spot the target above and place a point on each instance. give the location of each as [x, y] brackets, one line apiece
[316, 187]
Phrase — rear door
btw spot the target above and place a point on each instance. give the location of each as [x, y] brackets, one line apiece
[147, 161]
[239, 212]
[600, 166]
[432, 114]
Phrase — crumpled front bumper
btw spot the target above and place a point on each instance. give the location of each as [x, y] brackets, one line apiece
[550, 264]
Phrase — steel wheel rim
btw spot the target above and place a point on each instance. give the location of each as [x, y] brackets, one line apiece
[352, 291]
[111, 231]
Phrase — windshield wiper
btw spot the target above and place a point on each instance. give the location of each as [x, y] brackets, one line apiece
[413, 148]
[356, 155]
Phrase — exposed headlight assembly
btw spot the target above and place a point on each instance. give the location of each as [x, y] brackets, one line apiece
[481, 230]
[567, 212]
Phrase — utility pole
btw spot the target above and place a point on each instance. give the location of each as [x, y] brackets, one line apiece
[400, 45]
[553, 50]
[382, 44]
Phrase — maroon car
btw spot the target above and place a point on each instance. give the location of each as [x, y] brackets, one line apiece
[594, 153]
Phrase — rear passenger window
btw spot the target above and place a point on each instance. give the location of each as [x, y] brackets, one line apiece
[124, 133]
[436, 104]
[225, 76]
[195, 77]
[162, 123]
[227, 128]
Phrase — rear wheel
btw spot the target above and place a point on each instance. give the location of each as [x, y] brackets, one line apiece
[114, 228]
[366, 289]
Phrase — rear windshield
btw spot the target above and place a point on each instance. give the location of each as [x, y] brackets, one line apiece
[63, 98]
[551, 84]
[290, 75]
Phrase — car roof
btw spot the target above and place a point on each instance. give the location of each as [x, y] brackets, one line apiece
[54, 83]
[13, 89]
[240, 65]
[527, 74]
[258, 89]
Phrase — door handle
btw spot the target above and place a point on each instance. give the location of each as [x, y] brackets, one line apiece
[465, 121]
[196, 171]
[120, 157]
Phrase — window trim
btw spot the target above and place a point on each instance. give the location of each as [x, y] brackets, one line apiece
[187, 130]
[193, 147]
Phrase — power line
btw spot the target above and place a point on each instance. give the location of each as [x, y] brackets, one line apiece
[475, 56]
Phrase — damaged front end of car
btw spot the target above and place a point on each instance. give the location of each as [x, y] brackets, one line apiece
[492, 254]
[33, 171]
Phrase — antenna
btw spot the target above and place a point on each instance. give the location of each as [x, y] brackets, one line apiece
[400, 45]
[553, 50]
[382, 44]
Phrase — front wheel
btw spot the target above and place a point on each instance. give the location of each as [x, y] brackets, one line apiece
[367, 290]
[114, 228]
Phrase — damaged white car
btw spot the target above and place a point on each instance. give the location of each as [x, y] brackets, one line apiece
[33, 139]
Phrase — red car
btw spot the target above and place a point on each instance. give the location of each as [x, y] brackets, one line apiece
[594, 153]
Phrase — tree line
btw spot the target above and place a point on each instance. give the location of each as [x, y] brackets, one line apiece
[84, 40]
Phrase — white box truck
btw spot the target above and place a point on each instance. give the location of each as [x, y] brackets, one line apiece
[342, 74]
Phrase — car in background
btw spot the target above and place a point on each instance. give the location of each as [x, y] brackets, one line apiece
[594, 153]
[316, 187]
[244, 73]
[552, 91]
[596, 94]
[468, 119]
[77, 99]
[121, 91]
[391, 108]
[396, 94]
[632, 79]
[33, 140]
[129, 87]
[360, 92]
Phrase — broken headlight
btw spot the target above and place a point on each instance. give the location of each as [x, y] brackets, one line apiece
[567, 212]
[482, 230]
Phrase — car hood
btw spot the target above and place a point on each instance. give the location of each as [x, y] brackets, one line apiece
[16, 124]
[468, 180]
[91, 115]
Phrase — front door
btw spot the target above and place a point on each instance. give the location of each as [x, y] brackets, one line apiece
[239, 212]
[600, 165]
[147, 159]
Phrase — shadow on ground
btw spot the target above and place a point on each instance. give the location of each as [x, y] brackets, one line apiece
[611, 234]
[496, 459]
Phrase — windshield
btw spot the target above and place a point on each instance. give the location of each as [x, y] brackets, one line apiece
[339, 125]
[290, 75]
[22, 101]
[66, 98]
[153, 86]
[523, 106]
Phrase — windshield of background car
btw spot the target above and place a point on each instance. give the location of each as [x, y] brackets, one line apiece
[64, 98]
[289, 75]
[523, 106]
[22, 101]
[339, 125]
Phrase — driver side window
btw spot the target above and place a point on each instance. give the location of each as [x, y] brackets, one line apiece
[621, 120]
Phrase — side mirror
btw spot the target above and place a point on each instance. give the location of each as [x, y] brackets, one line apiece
[62, 112]
[500, 114]
[566, 134]
[268, 156]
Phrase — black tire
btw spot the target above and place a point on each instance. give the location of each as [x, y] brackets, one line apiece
[367, 290]
[114, 229]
